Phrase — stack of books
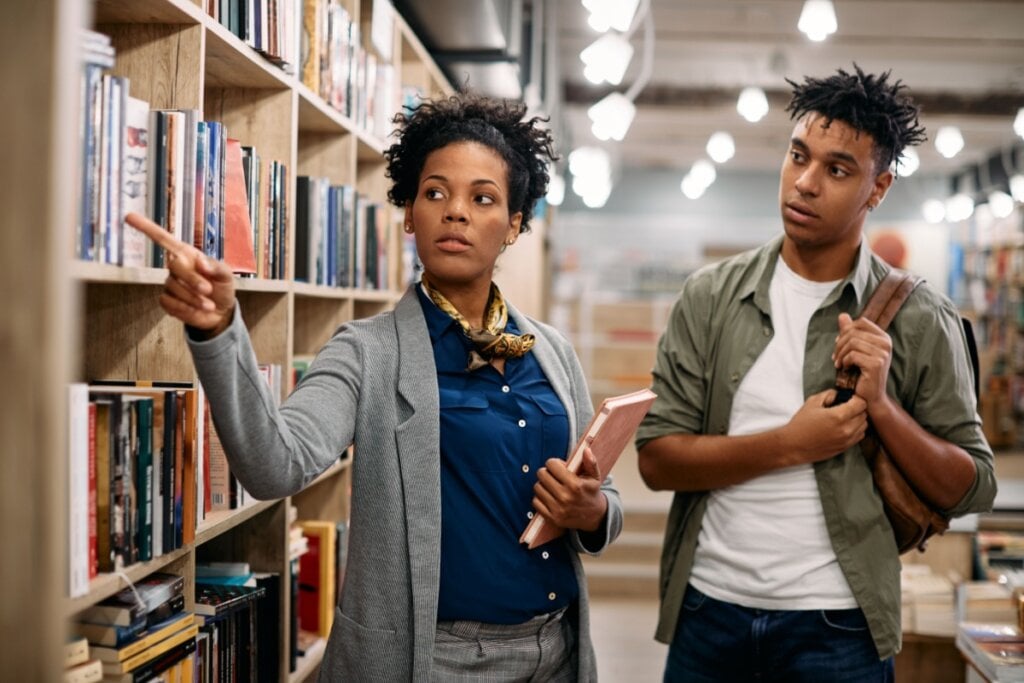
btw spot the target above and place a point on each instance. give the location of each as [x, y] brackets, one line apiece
[79, 667]
[995, 650]
[927, 602]
[139, 635]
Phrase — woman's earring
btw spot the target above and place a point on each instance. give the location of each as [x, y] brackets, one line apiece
[408, 228]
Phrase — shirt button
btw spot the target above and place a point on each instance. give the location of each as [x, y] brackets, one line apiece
[766, 331]
[735, 377]
[522, 423]
[505, 389]
[721, 430]
[551, 596]
[526, 468]
[545, 554]
[529, 515]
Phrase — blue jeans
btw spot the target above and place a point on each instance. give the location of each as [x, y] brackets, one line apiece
[720, 641]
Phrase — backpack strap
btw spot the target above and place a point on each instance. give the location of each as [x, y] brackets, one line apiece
[881, 308]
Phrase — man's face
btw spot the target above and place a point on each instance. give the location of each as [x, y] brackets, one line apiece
[828, 180]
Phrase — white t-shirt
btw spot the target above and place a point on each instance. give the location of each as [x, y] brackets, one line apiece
[763, 543]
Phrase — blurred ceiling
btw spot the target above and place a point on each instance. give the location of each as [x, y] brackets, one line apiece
[963, 60]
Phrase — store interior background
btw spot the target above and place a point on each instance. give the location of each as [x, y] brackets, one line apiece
[614, 264]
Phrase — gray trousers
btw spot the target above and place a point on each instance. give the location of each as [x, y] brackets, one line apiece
[541, 649]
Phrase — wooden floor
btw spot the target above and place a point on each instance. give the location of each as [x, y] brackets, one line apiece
[623, 633]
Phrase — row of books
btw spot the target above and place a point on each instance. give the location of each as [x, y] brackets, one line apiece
[341, 237]
[334, 64]
[271, 27]
[186, 174]
[139, 476]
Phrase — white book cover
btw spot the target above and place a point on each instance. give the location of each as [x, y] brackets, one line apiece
[134, 184]
[78, 489]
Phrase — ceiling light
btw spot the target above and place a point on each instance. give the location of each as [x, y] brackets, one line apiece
[934, 211]
[607, 58]
[691, 187]
[703, 172]
[959, 207]
[1017, 187]
[752, 104]
[908, 163]
[818, 19]
[589, 161]
[949, 141]
[616, 14]
[721, 147]
[1018, 123]
[612, 116]
[1000, 204]
[556, 190]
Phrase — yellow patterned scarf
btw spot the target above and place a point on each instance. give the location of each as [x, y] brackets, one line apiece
[492, 341]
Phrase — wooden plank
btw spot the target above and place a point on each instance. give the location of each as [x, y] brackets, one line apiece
[316, 320]
[128, 336]
[327, 155]
[163, 62]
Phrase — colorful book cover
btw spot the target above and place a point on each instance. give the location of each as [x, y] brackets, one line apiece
[237, 229]
[137, 252]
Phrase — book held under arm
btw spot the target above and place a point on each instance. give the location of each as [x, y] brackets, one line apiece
[611, 428]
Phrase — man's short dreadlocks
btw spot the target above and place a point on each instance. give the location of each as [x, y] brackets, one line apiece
[866, 102]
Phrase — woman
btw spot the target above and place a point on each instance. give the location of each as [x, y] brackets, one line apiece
[461, 411]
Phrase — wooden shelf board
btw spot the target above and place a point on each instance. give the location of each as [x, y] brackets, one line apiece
[88, 271]
[220, 521]
[308, 662]
[320, 291]
[233, 64]
[317, 116]
[105, 585]
[332, 471]
[370, 148]
[411, 41]
[147, 12]
[251, 284]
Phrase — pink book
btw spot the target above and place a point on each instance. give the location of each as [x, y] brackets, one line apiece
[611, 428]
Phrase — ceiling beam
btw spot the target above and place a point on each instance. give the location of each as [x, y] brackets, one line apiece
[1000, 104]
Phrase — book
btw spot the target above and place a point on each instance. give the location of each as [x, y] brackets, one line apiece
[110, 635]
[237, 229]
[137, 250]
[611, 428]
[996, 651]
[151, 636]
[153, 651]
[87, 672]
[76, 651]
[78, 488]
[123, 607]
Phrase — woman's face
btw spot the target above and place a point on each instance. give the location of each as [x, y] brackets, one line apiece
[460, 215]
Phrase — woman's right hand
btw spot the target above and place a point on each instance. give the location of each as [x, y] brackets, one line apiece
[199, 291]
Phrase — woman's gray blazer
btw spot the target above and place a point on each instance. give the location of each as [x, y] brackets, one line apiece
[374, 384]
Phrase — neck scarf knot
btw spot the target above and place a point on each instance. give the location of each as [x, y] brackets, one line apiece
[490, 341]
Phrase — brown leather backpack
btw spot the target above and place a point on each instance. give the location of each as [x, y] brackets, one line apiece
[913, 520]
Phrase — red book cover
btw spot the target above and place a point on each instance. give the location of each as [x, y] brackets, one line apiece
[237, 229]
[93, 560]
[309, 586]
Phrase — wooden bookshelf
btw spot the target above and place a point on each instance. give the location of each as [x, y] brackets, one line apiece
[104, 321]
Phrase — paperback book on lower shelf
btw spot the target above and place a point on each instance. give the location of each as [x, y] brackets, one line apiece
[611, 428]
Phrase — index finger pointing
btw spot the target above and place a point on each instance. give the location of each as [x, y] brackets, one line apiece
[152, 230]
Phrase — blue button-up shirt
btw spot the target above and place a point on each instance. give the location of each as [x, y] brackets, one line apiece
[496, 432]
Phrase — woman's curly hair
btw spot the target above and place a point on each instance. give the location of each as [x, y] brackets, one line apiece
[866, 102]
[525, 146]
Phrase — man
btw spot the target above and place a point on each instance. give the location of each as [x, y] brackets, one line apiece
[779, 563]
